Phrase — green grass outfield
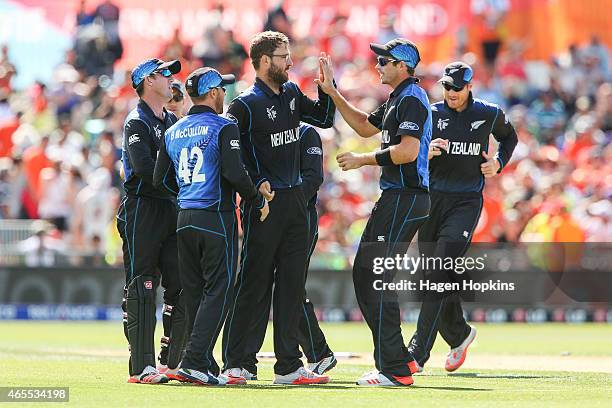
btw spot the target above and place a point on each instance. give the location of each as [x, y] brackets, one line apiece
[91, 359]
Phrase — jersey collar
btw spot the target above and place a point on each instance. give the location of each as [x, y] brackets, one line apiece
[145, 107]
[264, 87]
[200, 109]
[398, 89]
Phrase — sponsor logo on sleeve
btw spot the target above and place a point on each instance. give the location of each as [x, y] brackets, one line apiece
[409, 126]
[231, 117]
[133, 139]
[234, 144]
[315, 150]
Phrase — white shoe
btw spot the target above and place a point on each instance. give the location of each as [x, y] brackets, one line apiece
[456, 356]
[301, 376]
[240, 372]
[148, 376]
[378, 379]
[324, 365]
[198, 377]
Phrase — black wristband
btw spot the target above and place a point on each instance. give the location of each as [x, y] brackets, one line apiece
[383, 157]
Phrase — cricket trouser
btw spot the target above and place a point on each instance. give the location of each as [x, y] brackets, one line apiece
[310, 336]
[446, 234]
[208, 254]
[273, 252]
[395, 219]
[148, 229]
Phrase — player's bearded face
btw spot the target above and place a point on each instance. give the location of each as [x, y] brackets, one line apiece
[278, 74]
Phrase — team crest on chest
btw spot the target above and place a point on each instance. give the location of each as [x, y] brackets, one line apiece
[292, 105]
[442, 124]
[158, 132]
[271, 113]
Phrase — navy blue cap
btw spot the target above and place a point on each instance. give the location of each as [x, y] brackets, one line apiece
[146, 68]
[202, 80]
[399, 49]
[457, 74]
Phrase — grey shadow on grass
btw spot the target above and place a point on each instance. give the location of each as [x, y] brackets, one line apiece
[502, 376]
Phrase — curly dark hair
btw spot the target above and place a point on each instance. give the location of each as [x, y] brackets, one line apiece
[265, 43]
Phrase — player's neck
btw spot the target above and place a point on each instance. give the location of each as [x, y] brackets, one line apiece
[155, 104]
[271, 84]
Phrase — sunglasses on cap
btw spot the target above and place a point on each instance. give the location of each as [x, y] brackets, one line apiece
[382, 61]
[450, 87]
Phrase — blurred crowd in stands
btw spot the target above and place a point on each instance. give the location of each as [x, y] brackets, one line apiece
[60, 141]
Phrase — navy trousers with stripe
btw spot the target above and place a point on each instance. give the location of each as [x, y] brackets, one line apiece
[147, 227]
[446, 234]
[208, 253]
[310, 336]
[274, 253]
[395, 219]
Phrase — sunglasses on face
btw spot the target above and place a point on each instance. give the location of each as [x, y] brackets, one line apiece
[221, 88]
[177, 97]
[382, 61]
[450, 87]
[164, 72]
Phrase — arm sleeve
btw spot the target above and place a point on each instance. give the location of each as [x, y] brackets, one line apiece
[376, 117]
[239, 112]
[504, 133]
[232, 168]
[411, 115]
[311, 164]
[138, 147]
[319, 113]
[164, 174]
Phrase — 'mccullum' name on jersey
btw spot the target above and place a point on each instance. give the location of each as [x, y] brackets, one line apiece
[189, 132]
[465, 148]
[285, 137]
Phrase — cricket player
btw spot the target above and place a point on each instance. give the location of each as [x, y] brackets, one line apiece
[310, 336]
[459, 164]
[268, 115]
[404, 122]
[178, 104]
[200, 158]
[146, 221]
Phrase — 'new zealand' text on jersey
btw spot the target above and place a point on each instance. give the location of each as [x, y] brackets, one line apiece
[142, 134]
[200, 155]
[458, 171]
[405, 113]
[269, 130]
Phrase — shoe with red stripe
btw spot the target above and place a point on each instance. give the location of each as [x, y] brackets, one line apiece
[378, 379]
[171, 373]
[456, 356]
[148, 376]
[301, 376]
[414, 367]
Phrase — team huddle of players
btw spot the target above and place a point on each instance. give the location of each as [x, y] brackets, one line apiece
[433, 160]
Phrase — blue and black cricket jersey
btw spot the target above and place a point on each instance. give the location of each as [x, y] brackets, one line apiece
[200, 160]
[142, 137]
[405, 113]
[458, 171]
[269, 130]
